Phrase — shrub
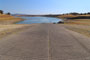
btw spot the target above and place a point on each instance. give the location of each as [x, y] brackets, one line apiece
[1, 12]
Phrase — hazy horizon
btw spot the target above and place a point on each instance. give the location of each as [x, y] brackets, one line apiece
[44, 6]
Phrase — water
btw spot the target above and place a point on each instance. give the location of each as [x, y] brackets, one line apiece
[31, 20]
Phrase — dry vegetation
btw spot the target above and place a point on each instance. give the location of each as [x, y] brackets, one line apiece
[67, 16]
[8, 19]
[79, 25]
[78, 22]
[7, 25]
[6, 30]
[71, 16]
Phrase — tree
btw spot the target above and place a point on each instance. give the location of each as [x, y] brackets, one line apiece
[74, 13]
[88, 13]
[1, 12]
[8, 13]
[81, 14]
[84, 13]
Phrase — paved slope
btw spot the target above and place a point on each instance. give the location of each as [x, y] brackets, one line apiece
[45, 42]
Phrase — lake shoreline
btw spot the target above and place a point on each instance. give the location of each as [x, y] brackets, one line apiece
[31, 20]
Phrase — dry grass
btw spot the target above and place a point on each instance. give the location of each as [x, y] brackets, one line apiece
[7, 27]
[70, 16]
[79, 25]
[78, 21]
[80, 30]
[10, 29]
[67, 16]
[7, 19]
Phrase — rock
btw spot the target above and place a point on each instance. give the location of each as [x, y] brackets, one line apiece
[60, 22]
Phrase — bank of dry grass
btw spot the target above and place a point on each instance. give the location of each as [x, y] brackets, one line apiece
[78, 22]
[8, 19]
[66, 16]
[71, 16]
[8, 27]
[6, 30]
[79, 25]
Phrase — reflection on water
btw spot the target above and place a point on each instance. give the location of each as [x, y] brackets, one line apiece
[31, 20]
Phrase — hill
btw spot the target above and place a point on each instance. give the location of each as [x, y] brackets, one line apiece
[8, 19]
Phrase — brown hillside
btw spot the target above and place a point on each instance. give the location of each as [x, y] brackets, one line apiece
[71, 16]
[8, 19]
[67, 16]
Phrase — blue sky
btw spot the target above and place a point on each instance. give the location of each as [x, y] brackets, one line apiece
[44, 6]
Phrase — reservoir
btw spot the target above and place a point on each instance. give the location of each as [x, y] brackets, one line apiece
[31, 20]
